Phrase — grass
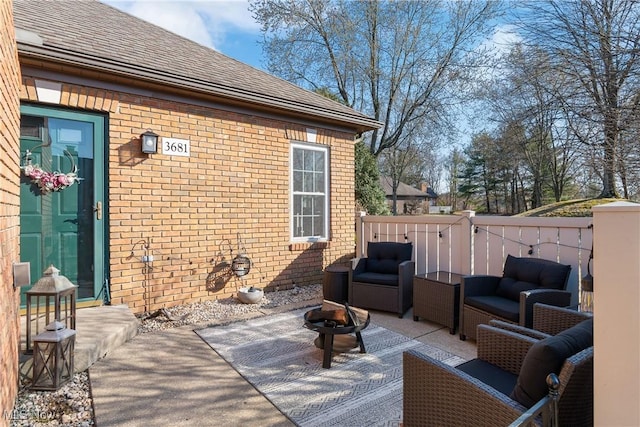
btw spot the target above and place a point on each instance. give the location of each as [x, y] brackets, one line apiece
[569, 208]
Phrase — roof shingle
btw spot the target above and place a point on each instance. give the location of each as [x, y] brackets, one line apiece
[96, 34]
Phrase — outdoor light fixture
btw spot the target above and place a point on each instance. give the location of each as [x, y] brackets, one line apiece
[53, 357]
[241, 265]
[52, 298]
[149, 141]
[586, 291]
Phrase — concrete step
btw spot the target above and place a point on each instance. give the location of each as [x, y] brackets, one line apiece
[99, 330]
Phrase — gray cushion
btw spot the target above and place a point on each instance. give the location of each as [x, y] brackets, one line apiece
[547, 356]
[385, 257]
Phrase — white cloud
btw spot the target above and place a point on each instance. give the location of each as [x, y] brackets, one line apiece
[502, 41]
[209, 23]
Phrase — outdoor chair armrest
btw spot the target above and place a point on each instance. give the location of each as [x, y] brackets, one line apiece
[437, 394]
[518, 329]
[503, 348]
[528, 298]
[478, 285]
[406, 271]
[552, 320]
[358, 265]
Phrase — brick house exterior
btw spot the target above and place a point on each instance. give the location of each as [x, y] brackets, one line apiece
[9, 210]
[193, 213]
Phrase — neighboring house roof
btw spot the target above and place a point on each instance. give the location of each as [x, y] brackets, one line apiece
[405, 191]
[94, 36]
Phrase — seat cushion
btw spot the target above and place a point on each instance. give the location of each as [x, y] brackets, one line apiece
[377, 278]
[385, 257]
[547, 356]
[503, 381]
[498, 306]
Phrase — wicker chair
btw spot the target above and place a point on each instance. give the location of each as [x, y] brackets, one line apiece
[511, 297]
[383, 280]
[436, 394]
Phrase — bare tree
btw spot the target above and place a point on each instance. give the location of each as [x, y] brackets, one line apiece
[396, 61]
[595, 45]
[526, 102]
[395, 163]
[453, 169]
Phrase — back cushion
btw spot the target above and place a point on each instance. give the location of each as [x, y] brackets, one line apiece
[542, 273]
[554, 276]
[547, 356]
[510, 288]
[385, 257]
[511, 266]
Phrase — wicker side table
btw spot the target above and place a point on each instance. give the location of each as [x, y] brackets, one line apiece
[335, 283]
[436, 297]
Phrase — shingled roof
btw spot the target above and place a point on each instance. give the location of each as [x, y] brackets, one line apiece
[91, 35]
[404, 190]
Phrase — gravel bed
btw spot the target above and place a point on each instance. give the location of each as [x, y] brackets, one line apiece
[223, 309]
[72, 404]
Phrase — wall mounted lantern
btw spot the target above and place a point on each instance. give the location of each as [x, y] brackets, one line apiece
[53, 357]
[149, 141]
[52, 298]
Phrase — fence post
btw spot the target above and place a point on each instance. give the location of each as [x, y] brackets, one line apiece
[616, 298]
[360, 234]
[466, 243]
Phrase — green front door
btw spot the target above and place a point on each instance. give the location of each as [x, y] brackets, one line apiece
[63, 224]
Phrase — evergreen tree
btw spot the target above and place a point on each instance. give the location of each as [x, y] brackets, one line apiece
[369, 193]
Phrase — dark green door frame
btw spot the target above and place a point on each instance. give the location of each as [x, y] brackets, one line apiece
[68, 227]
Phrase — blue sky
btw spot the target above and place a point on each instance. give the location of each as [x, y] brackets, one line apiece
[228, 27]
[224, 25]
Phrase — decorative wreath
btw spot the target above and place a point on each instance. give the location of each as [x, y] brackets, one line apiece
[50, 181]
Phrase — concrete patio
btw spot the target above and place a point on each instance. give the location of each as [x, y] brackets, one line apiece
[173, 377]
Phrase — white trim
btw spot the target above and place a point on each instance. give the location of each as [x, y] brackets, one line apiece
[326, 209]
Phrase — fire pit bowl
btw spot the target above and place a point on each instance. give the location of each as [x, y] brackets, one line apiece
[250, 295]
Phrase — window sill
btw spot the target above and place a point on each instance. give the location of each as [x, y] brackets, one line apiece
[303, 246]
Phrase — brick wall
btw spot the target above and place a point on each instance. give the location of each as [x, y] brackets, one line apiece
[190, 211]
[9, 210]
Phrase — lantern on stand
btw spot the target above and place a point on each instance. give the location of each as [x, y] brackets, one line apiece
[53, 357]
[52, 298]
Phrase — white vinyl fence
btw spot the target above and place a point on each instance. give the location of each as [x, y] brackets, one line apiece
[469, 244]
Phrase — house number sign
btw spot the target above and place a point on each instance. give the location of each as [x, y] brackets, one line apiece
[176, 147]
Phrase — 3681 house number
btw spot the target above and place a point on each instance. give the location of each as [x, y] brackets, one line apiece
[176, 147]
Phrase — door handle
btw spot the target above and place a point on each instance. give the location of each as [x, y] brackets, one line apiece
[98, 210]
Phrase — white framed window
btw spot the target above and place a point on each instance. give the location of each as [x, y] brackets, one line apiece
[309, 183]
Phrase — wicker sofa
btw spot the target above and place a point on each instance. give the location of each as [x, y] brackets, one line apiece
[383, 280]
[511, 297]
[505, 380]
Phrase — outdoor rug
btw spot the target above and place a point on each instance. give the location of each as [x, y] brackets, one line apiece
[277, 355]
